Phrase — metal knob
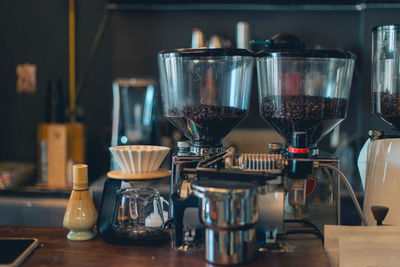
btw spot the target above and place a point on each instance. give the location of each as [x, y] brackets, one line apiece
[183, 147]
[375, 134]
[183, 144]
[275, 148]
[379, 213]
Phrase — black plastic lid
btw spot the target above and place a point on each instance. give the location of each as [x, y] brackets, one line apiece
[394, 27]
[289, 45]
[309, 54]
[206, 52]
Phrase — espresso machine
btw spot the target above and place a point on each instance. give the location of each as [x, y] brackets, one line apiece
[303, 94]
[381, 153]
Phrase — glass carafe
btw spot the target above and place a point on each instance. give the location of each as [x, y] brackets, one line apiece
[139, 216]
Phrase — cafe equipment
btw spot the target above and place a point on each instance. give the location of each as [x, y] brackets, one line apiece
[383, 150]
[134, 111]
[306, 91]
[129, 213]
[139, 215]
[215, 41]
[139, 158]
[197, 38]
[243, 35]
[81, 214]
[229, 211]
[205, 93]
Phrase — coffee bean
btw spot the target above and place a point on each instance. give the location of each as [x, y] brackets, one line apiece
[315, 115]
[206, 123]
[387, 106]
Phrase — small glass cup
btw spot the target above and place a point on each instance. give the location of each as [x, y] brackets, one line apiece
[139, 215]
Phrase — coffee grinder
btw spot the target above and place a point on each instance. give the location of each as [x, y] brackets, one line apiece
[205, 92]
[302, 90]
[382, 151]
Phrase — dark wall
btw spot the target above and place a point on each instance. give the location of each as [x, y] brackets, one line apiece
[37, 32]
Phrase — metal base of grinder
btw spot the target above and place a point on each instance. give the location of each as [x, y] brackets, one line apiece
[230, 247]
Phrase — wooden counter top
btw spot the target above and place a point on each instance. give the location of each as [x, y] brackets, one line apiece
[54, 249]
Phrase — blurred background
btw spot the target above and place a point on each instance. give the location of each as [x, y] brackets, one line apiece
[118, 39]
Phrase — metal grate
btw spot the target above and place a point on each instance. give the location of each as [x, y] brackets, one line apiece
[261, 161]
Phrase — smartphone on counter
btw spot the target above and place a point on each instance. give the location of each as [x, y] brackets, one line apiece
[13, 251]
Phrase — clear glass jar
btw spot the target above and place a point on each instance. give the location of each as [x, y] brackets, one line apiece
[205, 92]
[385, 73]
[306, 91]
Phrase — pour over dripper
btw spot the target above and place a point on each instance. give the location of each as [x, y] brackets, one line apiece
[205, 92]
[303, 90]
[386, 73]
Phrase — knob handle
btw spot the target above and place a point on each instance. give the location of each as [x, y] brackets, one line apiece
[379, 213]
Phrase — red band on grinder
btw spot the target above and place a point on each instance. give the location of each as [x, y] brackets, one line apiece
[298, 150]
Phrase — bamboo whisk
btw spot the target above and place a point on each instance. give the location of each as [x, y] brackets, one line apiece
[81, 214]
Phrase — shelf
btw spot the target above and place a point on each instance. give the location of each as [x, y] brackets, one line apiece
[249, 5]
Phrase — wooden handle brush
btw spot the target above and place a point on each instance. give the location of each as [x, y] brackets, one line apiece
[81, 214]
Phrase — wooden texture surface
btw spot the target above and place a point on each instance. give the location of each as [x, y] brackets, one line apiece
[57, 155]
[54, 249]
[120, 175]
[76, 142]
